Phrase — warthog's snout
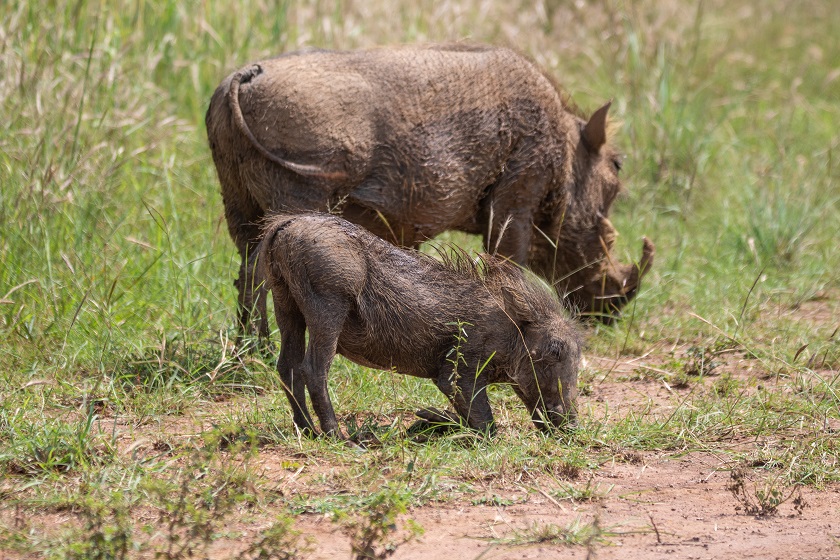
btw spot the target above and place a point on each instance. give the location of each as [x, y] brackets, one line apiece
[604, 296]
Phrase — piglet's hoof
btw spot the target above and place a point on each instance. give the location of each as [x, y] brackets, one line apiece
[437, 416]
[433, 422]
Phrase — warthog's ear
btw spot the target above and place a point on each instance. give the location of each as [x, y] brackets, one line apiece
[516, 306]
[594, 133]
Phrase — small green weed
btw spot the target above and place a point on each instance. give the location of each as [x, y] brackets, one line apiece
[764, 500]
[493, 500]
[587, 493]
[726, 386]
[578, 533]
[699, 361]
[278, 542]
[107, 532]
[195, 502]
[373, 529]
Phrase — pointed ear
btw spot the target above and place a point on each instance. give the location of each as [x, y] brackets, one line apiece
[516, 306]
[594, 133]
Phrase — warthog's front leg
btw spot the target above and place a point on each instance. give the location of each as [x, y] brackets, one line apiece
[468, 394]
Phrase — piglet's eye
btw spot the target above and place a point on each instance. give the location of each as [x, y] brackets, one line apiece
[556, 348]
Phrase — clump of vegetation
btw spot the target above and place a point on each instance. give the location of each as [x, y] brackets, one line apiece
[199, 497]
[763, 500]
[107, 531]
[578, 533]
[373, 530]
[589, 492]
[493, 500]
[280, 541]
[699, 361]
[53, 446]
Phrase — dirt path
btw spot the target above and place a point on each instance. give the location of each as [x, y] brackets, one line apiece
[685, 500]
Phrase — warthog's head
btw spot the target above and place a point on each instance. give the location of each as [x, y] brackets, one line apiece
[548, 379]
[545, 365]
[577, 249]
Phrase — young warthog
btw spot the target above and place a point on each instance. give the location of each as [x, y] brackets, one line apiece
[409, 142]
[462, 324]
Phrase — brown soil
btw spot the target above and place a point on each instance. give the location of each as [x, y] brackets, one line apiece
[651, 505]
[657, 508]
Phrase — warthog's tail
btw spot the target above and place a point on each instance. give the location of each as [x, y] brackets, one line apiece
[243, 77]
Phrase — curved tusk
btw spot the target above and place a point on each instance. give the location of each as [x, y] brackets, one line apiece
[648, 252]
[635, 272]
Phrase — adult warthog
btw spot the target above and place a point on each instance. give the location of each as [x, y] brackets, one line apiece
[462, 323]
[409, 142]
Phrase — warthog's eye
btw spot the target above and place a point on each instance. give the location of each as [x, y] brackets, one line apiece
[617, 162]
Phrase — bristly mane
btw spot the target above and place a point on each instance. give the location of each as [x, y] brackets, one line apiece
[459, 261]
[495, 273]
[502, 273]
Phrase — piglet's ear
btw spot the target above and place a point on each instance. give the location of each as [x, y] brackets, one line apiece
[594, 133]
[516, 306]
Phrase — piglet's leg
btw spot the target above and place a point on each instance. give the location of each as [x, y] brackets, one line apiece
[324, 330]
[293, 343]
[468, 394]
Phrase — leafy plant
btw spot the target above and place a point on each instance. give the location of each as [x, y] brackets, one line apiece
[107, 532]
[196, 501]
[763, 500]
[373, 530]
[278, 542]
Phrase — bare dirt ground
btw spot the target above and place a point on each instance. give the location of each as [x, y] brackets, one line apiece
[658, 508]
[651, 505]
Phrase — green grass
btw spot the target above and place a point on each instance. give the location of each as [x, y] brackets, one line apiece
[117, 302]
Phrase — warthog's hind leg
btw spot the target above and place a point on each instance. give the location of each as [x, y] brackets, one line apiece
[289, 364]
[324, 330]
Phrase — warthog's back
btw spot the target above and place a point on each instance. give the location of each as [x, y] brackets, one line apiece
[405, 305]
[380, 122]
